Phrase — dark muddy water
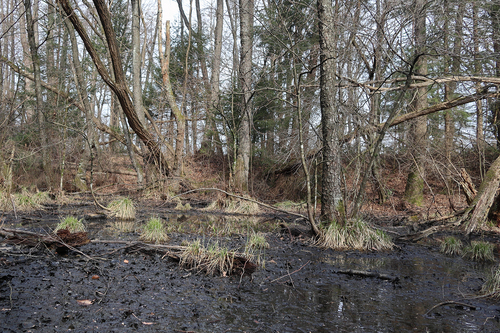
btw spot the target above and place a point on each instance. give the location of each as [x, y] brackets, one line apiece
[299, 289]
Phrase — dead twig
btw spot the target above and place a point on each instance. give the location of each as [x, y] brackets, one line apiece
[449, 302]
[295, 271]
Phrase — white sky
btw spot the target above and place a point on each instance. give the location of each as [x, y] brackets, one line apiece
[171, 10]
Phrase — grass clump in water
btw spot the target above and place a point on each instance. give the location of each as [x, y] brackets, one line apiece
[154, 231]
[492, 285]
[122, 209]
[212, 259]
[355, 235]
[71, 223]
[451, 246]
[479, 251]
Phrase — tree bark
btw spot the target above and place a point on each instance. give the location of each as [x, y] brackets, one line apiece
[242, 165]
[136, 76]
[480, 206]
[331, 194]
[414, 192]
[211, 138]
[30, 25]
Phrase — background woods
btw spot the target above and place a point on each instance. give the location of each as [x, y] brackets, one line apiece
[336, 102]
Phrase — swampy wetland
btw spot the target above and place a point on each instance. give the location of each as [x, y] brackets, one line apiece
[107, 286]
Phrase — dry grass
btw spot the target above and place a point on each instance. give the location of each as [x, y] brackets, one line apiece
[212, 259]
[354, 235]
[492, 285]
[122, 209]
[24, 201]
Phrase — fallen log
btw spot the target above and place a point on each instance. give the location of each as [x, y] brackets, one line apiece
[62, 241]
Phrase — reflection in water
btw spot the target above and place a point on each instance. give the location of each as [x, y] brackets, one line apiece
[357, 304]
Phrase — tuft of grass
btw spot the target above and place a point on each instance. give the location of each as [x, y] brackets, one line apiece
[451, 246]
[255, 248]
[290, 205]
[355, 235]
[154, 231]
[492, 285]
[242, 207]
[122, 209]
[124, 226]
[479, 251]
[257, 241]
[23, 201]
[71, 223]
[212, 259]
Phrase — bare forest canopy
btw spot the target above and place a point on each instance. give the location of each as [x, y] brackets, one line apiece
[337, 89]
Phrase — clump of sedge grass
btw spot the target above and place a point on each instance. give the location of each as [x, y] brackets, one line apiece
[492, 285]
[451, 246]
[122, 209]
[355, 235]
[213, 259]
[257, 241]
[124, 226]
[154, 231]
[479, 251]
[71, 223]
[242, 207]
[255, 248]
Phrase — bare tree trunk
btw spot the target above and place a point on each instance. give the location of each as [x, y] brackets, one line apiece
[176, 111]
[30, 24]
[414, 192]
[28, 110]
[331, 195]
[137, 87]
[211, 138]
[242, 166]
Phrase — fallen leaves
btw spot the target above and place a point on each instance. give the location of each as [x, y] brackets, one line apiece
[84, 302]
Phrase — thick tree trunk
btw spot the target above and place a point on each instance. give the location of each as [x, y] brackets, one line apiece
[242, 165]
[331, 195]
[480, 207]
[414, 192]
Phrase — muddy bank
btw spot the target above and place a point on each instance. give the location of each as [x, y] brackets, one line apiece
[300, 289]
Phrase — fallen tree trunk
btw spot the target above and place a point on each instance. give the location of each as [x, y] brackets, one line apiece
[479, 208]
